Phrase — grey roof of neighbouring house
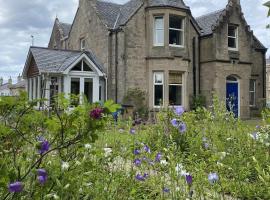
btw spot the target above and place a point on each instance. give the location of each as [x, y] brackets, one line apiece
[114, 15]
[57, 61]
[65, 27]
[208, 21]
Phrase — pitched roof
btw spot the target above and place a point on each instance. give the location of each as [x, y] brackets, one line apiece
[20, 84]
[206, 22]
[5, 86]
[114, 15]
[57, 61]
[65, 28]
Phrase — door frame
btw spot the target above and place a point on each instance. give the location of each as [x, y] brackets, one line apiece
[239, 92]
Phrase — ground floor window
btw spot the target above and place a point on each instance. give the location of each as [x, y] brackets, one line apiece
[175, 88]
[75, 91]
[158, 88]
[88, 89]
[252, 92]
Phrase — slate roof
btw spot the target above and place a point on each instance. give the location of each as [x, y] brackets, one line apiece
[207, 21]
[65, 27]
[20, 84]
[5, 86]
[57, 61]
[115, 15]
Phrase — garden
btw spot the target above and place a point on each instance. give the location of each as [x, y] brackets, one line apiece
[85, 153]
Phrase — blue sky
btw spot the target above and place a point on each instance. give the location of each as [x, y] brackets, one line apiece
[19, 19]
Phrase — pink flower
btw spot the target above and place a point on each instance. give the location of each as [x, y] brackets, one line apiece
[96, 113]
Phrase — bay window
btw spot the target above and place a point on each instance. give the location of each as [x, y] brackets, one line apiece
[232, 37]
[159, 31]
[252, 92]
[158, 88]
[175, 88]
[176, 30]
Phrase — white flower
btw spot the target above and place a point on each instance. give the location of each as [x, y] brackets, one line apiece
[163, 162]
[180, 170]
[65, 165]
[66, 186]
[107, 151]
[88, 146]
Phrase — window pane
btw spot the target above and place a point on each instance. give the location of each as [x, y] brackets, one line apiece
[252, 85]
[175, 95]
[232, 42]
[175, 78]
[159, 23]
[176, 22]
[77, 67]
[176, 37]
[232, 31]
[252, 99]
[75, 86]
[86, 67]
[159, 37]
[158, 78]
[158, 95]
[88, 89]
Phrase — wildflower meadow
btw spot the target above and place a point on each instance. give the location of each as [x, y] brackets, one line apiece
[85, 153]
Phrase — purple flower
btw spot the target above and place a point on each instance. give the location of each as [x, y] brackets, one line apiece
[213, 178]
[42, 179]
[258, 127]
[136, 152]
[15, 187]
[147, 149]
[158, 157]
[206, 145]
[96, 113]
[42, 172]
[139, 177]
[145, 175]
[255, 136]
[174, 123]
[44, 146]
[166, 190]
[179, 110]
[137, 162]
[182, 127]
[189, 179]
[132, 131]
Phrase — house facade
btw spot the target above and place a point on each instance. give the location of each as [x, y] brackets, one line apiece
[159, 47]
[9, 89]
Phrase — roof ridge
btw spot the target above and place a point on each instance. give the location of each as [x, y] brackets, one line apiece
[47, 48]
[210, 13]
[104, 1]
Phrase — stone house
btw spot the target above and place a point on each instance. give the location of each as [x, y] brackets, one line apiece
[159, 47]
[9, 89]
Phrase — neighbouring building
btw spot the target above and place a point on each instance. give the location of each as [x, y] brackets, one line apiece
[157, 46]
[9, 89]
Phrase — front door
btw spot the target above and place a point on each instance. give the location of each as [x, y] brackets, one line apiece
[232, 96]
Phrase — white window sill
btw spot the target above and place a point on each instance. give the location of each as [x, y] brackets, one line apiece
[174, 45]
[158, 45]
[232, 49]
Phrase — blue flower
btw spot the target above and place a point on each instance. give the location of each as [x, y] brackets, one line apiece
[213, 178]
[182, 127]
[139, 177]
[15, 187]
[175, 123]
[147, 149]
[189, 179]
[137, 162]
[42, 172]
[179, 110]
[166, 190]
[44, 145]
[206, 145]
[158, 157]
[136, 152]
[132, 131]
[42, 176]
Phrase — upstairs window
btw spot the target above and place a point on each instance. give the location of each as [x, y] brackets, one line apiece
[232, 37]
[82, 44]
[159, 31]
[158, 88]
[176, 31]
[252, 92]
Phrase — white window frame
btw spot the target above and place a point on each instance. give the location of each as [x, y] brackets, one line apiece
[180, 30]
[82, 44]
[154, 84]
[181, 91]
[158, 29]
[233, 37]
[253, 91]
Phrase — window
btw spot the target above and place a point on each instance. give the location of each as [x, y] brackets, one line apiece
[82, 66]
[158, 88]
[252, 92]
[54, 89]
[159, 31]
[232, 37]
[175, 88]
[176, 31]
[82, 44]
[75, 90]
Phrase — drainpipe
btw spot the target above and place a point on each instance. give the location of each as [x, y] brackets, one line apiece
[116, 65]
[199, 62]
[264, 74]
[194, 65]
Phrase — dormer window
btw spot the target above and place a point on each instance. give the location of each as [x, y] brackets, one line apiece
[232, 37]
[82, 44]
[159, 31]
[82, 66]
[176, 31]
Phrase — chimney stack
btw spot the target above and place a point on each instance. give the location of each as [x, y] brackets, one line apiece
[10, 81]
[234, 2]
[1, 81]
[19, 78]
